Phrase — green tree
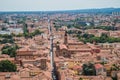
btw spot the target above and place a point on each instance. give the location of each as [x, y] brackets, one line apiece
[3, 41]
[36, 32]
[106, 28]
[4, 28]
[87, 35]
[81, 79]
[6, 36]
[10, 50]
[7, 66]
[89, 69]
[25, 30]
[115, 67]
[102, 39]
[19, 35]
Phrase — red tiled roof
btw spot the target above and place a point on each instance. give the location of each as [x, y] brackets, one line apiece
[97, 66]
[62, 46]
[77, 67]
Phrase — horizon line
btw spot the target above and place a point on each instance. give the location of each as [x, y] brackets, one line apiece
[56, 10]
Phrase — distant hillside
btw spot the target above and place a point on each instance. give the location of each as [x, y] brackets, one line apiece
[102, 10]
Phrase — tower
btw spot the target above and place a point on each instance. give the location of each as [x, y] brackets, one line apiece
[65, 38]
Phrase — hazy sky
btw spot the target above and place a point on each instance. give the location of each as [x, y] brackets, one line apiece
[43, 5]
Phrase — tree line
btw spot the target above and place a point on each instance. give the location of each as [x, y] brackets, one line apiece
[102, 39]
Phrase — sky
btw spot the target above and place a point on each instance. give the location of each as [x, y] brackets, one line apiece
[51, 5]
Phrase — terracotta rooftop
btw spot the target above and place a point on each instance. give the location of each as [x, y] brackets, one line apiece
[62, 46]
[97, 66]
